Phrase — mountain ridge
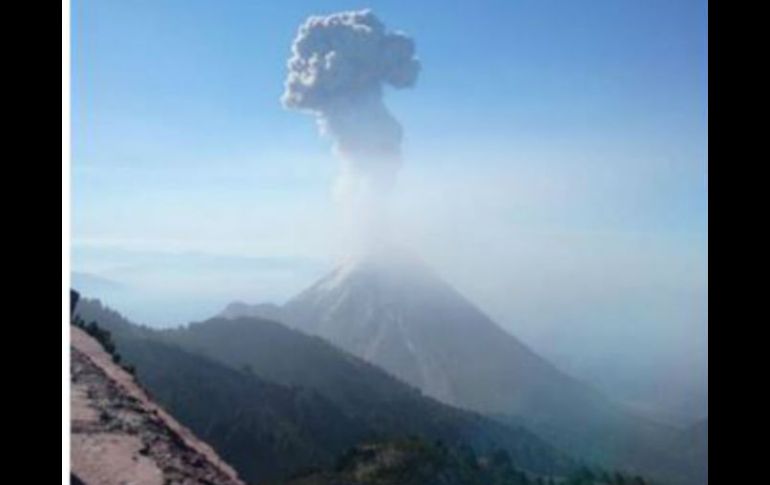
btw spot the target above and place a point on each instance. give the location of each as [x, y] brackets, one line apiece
[369, 403]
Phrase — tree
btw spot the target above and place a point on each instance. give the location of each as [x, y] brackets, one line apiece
[501, 458]
[74, 297]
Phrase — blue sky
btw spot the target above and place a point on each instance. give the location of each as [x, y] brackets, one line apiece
[182, 96]
[555, 157]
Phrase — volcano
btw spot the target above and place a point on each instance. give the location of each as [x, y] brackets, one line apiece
[394, 311]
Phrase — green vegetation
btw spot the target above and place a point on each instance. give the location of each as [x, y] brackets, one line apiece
[414, 461]
[103, 336]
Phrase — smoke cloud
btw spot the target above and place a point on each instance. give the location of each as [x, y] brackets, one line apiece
[339, 66]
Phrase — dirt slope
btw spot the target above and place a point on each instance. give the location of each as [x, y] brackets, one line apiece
[120, 436]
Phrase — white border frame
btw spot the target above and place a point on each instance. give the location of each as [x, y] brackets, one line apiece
[65, 236]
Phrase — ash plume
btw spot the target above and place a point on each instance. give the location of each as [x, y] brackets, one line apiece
[338, 69]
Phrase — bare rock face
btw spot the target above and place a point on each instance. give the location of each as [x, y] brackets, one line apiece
[120, 436]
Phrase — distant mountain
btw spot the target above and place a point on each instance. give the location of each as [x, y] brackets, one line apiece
[90, 283]
[393, 311]
[239, 309]
[120, 435]
[273, 401]
[169, 288]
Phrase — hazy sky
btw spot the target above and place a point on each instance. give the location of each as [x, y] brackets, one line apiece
[555, 160]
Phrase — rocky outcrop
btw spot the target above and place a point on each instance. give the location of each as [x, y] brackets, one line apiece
[119, 435]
